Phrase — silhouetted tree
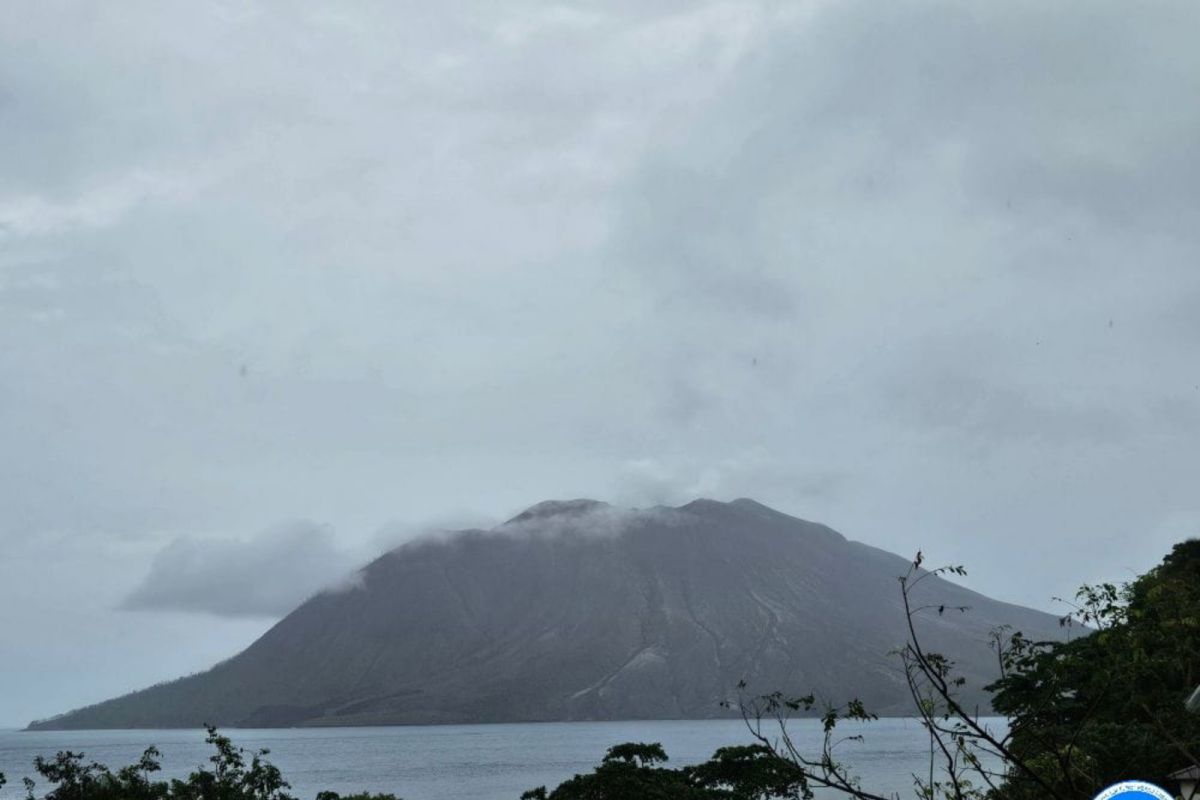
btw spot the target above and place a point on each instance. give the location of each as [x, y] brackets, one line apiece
[235, 774]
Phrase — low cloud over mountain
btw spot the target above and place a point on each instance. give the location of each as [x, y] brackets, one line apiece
[264, 576]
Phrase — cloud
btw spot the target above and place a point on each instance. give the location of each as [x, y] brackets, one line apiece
[447, 524]
[98, 207]
[267, 575]
[578, 517]
[754, 473]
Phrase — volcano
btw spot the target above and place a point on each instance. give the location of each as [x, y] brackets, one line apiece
[579, 610]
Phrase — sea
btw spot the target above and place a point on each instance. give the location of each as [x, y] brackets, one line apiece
[468, 762]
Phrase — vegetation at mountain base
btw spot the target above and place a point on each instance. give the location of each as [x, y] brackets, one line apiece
[1104, 706]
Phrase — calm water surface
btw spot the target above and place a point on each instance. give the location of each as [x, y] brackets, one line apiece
[460, 762]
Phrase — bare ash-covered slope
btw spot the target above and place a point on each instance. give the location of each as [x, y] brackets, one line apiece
[579, 610]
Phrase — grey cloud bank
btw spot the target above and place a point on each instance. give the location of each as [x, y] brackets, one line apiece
[922, 272]
[265, 576]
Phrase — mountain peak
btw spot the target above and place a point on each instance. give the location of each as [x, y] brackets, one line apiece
[747, 502]
[702, 504]
[558, 508]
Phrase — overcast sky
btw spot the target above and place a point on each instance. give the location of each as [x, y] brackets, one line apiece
[281, 286]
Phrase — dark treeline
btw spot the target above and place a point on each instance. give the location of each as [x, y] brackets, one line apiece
[1104, 706]
[235, 774]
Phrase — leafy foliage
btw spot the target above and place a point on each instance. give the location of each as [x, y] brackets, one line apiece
[1110, 706]
[235, 774]
[750, 772]
[627, 771]
[633, 771]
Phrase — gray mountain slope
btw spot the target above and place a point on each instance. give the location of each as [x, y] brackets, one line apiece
[576, 611]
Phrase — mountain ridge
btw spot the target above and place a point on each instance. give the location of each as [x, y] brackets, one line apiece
[581, 610]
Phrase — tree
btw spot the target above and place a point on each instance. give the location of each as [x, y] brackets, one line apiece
[750, 772]
[75, 779]
[230, 778]
[1110, 706]
[235, 774]
[631, 770]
